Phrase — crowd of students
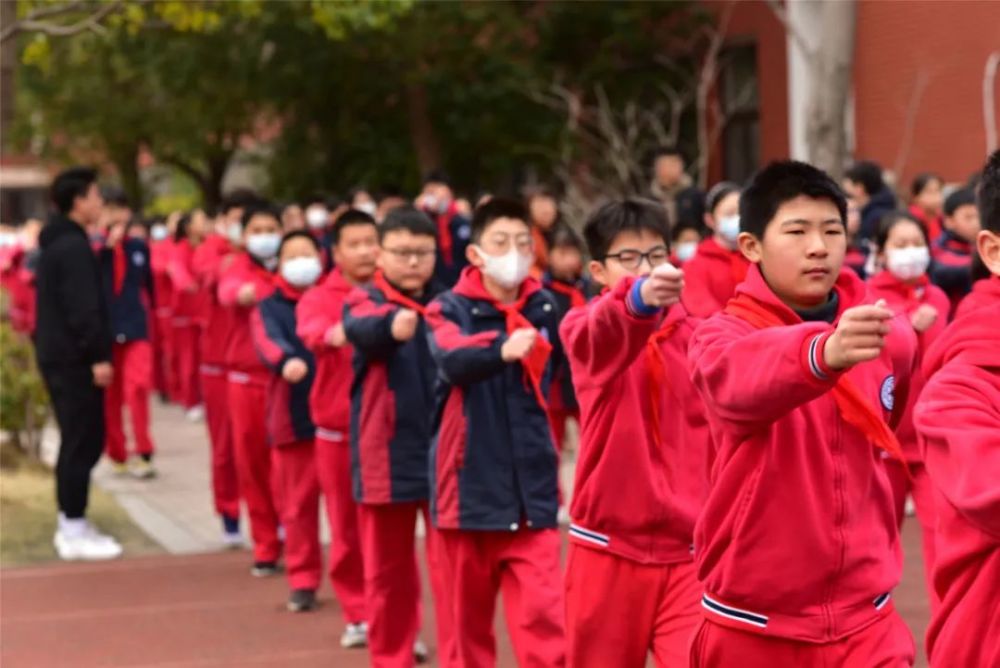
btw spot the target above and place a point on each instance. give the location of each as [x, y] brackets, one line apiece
[752, 418]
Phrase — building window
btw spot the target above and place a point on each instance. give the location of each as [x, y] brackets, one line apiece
[740, 100]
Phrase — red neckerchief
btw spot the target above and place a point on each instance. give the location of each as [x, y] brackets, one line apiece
[574, 293]
[119, 265]
[470, 284]
[853, 406]
[444, 232]
[291, 292]
[395, 296]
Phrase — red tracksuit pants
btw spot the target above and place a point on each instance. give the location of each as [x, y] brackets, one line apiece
[523, 566]
[165, 374]
[258, 484]
[346, 568]
[186, 340]
[618, 610]
[887, 643]
[392, 584]
[919, 484]
[296, 468]
[225, 485]
[133, 376]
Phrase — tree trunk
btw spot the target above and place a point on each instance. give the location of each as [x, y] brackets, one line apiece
[425, 141]
[127, 162]
[831, 63]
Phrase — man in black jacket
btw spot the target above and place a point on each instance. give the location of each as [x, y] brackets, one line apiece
[73, 345]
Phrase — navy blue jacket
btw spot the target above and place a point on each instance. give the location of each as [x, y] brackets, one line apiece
[877, 206]
[392, 401]
[130, 308]
[272, 325]
[493, 462]
[454, 230]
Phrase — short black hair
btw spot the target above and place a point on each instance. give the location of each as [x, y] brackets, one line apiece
[868, 174]
[70, 184]
[921, 181]
[627, 215]
[115, 196]
[564, 236]
[666, 152]
[239, 199]
[180, 232]
[717, 193]
[408, 218]
[259, 208]
[346, 219]
[298, 234]
[684, 225]
[989, 195]
[437, 176]
[889, 220]
[497, 207]
[958, 199]
[780, 182]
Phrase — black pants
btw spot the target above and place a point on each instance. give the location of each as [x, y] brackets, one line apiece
[79, 409]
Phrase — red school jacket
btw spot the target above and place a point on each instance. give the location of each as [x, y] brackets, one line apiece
[798, 537]
[985, 291]
[242, 360]
[638, 489]
[958, 419]
[189, 299]
[711, 277]
[320, 309]
[904, 299]
[210, 259]
[160, 253]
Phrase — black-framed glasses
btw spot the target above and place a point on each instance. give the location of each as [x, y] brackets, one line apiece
[632, 259]
[411, 254]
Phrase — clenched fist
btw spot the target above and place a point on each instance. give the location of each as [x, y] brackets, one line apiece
[247, 295]
[335, 336]
[518, 344]
[859, 337]
[925, 316]
[663, 286]
[294, 370]
[404, 324]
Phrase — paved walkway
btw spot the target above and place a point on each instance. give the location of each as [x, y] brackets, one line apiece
[197, 606]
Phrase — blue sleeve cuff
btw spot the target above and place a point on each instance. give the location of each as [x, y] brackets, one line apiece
[634, 303]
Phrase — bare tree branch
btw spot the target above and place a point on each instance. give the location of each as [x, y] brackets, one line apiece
[779, 11]
[920, 84]
[36, 21]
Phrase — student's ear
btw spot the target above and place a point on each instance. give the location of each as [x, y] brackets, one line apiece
[749, 245]
[598, 272]
[473, 257]
[988, 245]
[709, 221]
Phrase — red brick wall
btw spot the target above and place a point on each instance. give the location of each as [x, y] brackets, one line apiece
[753, 20]
[946, 41]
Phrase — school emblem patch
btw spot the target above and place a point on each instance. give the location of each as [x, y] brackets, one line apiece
[887, 393]
[138, 259]
[464, 232]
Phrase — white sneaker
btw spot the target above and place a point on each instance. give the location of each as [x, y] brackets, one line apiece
[420, 651]
[354, 636]
[90, 545]
[233, 541]
[196, 414]
[141, 469]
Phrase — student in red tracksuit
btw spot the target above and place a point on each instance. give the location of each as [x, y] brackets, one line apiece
[952, 252]
[189, 306]
[903, 252]
[570, 288]
[797, 546]
[247, 281]
[712, 275]
[630, 579]
[494, 466]
[210, 260]
[128, 289]
[926, 203]
[354, 243]
[392, 405]
[290, 427]
[958, 419]
[160, 252]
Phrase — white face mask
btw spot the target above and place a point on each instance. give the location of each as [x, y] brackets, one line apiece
[302, 271]
[907, 263]
[728, 228]
[8, 239]
[158, 232]
[316, 217]
[367, 207]
[234, 232]
[264, 246]
[509, 269]
[685, 251]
